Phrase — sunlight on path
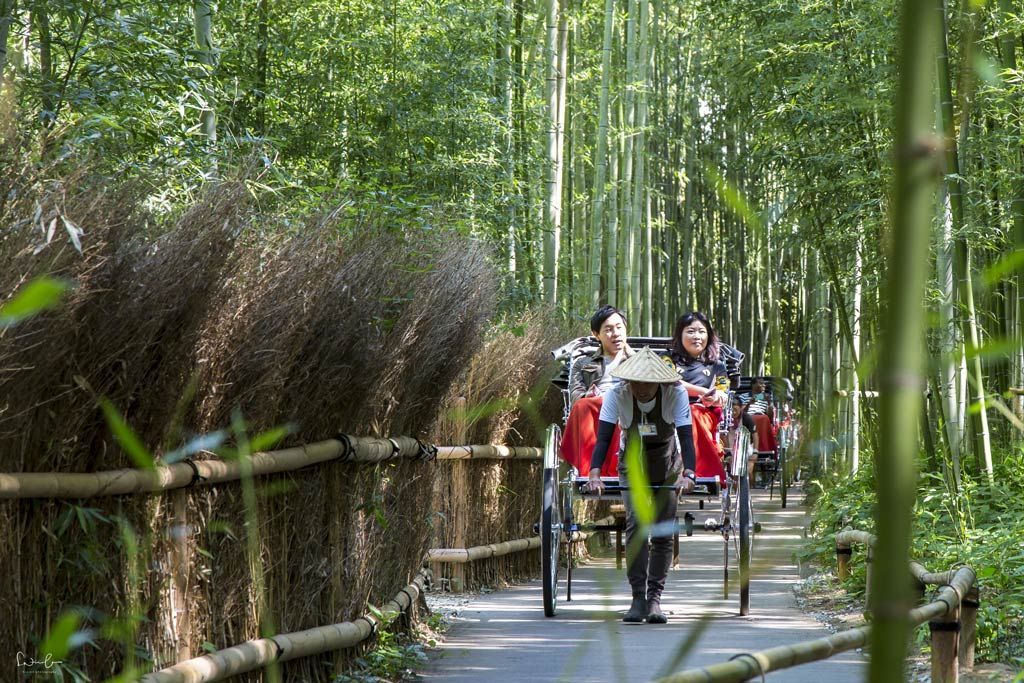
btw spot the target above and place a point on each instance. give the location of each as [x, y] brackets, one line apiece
[504, 636]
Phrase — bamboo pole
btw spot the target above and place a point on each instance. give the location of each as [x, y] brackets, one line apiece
[180, 615]
[552, 197]
[847, 537]
[745, 666]
[255, 654]
[203, 25]
[843, 561]
[945, 637]
[181, 474]
[489, 452]
[968, 625]
[917, 154]
[454, 533]
[601, 157]
[482, 552]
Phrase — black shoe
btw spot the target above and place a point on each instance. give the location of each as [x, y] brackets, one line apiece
[654, 613]
[637, 611]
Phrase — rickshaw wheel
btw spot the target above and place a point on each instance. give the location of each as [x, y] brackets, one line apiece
[550, 523]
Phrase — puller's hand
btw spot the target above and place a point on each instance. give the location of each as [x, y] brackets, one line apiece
[594, 483]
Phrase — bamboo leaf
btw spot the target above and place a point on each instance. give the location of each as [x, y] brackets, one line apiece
[986, 68]
[639, 488]
[685, 647]
[997, 348]
[42, 293]
[126, 437]
[61, 638]
[734, 199]
[74, 232]
[1006, 265]
[204, 442]
[270, 438]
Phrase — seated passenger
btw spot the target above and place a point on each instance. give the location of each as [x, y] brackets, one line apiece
[740, 416]
[758, 406]
[695, 350]
[591, 375]
[589, 378]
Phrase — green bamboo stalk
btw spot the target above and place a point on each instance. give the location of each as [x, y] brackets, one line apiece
[963, 257]
[552, 198]
[1008, 55]
[640, 265]
[560, 166]
[612, 229]
[901, 368]
[507, 38]
[7, 9]
[203, 24]
[629, 118]
[855, 353]
[601, 158]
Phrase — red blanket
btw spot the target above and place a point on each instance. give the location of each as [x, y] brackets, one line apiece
[765, 434]
[581, 434]
[705, 441]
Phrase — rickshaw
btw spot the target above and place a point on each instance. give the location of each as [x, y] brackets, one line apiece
[562, 485]
[772, 465]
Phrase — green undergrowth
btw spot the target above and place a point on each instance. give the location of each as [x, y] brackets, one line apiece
[395, 656]
[980, 526]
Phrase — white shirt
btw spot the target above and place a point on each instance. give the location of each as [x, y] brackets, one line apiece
[758, 406]
[618, 405]
[605, 382]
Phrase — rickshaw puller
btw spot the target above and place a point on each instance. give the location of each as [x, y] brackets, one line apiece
[653, 409]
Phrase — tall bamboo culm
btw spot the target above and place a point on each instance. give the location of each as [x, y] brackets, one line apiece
[601, 158]
[901, 379]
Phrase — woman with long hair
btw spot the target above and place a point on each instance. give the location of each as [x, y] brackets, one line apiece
[696, 352]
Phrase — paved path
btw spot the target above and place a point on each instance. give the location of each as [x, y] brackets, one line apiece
[504, 636]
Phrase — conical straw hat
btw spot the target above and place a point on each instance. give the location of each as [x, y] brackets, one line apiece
[646, 366]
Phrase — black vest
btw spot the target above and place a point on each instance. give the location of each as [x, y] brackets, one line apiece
[662, 460]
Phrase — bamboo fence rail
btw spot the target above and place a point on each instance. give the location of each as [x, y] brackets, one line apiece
[489, 452]
[256, 654]
[748, 665]
[166, 477]
[483, 552]
[952, 647]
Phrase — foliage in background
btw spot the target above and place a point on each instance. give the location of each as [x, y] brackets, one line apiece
[986, 537]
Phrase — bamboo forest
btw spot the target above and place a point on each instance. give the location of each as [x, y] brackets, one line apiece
[323, 325]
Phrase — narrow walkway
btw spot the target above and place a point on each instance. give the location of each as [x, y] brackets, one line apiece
[504, 636]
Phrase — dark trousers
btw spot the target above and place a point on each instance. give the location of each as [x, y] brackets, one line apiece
[648, 568]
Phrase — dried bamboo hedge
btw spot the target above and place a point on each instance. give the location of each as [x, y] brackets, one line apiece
[348, 323]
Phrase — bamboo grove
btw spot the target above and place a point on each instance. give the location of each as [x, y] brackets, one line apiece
[729, 156]
[733, 156]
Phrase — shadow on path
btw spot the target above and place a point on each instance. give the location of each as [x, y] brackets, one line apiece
[504, 636]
